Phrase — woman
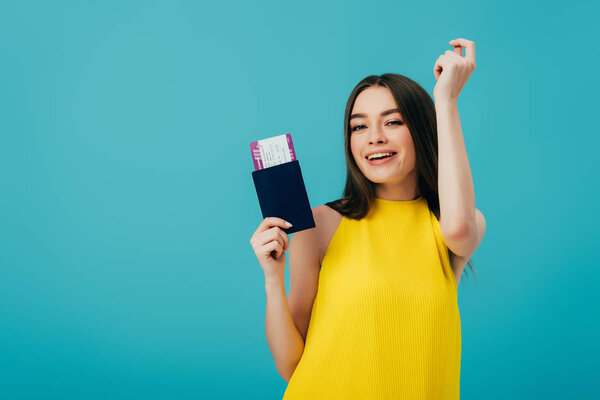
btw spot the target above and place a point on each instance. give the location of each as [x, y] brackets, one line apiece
[377, 277]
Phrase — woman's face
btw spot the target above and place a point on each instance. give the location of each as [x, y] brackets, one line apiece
[377, 126]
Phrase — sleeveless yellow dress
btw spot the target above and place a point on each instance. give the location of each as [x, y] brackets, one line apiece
[385, 322]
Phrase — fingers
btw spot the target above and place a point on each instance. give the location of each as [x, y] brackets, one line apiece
[280, 236]
[285, 238]
[273, 234]
[269, 222]
[273, 247]
[438, 67]
[469, 48]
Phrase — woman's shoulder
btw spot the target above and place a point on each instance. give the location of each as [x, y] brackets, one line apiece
[326, 215]
[327, 220]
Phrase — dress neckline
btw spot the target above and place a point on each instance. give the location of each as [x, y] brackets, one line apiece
[398, 202]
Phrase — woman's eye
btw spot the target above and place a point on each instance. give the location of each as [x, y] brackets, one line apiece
[357, 127]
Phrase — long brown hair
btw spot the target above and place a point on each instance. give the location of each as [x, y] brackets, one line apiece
[418, 110]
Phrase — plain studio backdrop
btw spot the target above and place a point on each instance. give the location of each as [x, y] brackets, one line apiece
[127, 203]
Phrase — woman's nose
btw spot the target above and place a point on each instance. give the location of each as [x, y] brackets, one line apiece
[376, 135]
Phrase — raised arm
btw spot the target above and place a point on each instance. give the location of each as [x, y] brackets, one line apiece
[460, 222]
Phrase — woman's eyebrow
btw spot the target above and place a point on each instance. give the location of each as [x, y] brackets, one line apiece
[386, 112]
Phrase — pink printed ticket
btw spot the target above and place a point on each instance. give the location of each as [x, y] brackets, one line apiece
[272, 151]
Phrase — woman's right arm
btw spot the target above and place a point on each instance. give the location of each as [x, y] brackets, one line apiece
[285, 320]
[283, 338]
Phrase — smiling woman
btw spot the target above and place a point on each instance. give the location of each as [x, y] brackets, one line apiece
[384, 322]
[372, 309]
[391, 113]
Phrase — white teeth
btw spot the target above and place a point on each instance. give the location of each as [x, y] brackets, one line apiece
[379, 155]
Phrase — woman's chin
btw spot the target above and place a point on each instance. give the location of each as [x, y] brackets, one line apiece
[383, 172]
[384, 178]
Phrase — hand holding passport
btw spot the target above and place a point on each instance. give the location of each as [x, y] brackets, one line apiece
[279, 184]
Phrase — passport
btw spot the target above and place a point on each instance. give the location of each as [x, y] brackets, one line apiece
[281, 193]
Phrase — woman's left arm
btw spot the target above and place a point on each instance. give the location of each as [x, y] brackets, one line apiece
[461, 223]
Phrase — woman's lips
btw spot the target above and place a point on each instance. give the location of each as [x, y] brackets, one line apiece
[381, 160]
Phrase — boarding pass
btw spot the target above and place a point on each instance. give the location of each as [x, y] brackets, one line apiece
[272, 151]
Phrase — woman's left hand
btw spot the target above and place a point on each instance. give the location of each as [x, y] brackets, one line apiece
[452, 70]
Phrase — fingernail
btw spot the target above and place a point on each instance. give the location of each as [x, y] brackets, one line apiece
[288, 224]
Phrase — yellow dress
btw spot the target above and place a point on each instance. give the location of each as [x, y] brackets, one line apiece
[385, 322]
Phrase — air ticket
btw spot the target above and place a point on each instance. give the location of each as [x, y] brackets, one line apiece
[272, 151]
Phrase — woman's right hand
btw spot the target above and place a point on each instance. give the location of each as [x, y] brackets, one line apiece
[270, 242]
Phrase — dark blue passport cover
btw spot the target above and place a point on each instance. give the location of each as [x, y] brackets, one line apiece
[281, 193]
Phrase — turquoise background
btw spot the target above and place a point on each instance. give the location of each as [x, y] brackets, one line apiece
[127, 202]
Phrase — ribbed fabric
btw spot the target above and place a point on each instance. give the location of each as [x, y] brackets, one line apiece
[385, 322]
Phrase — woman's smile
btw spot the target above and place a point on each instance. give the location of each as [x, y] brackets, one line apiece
[382, 160]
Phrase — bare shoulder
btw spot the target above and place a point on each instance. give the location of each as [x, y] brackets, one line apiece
[312, 243]
[327, 221]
